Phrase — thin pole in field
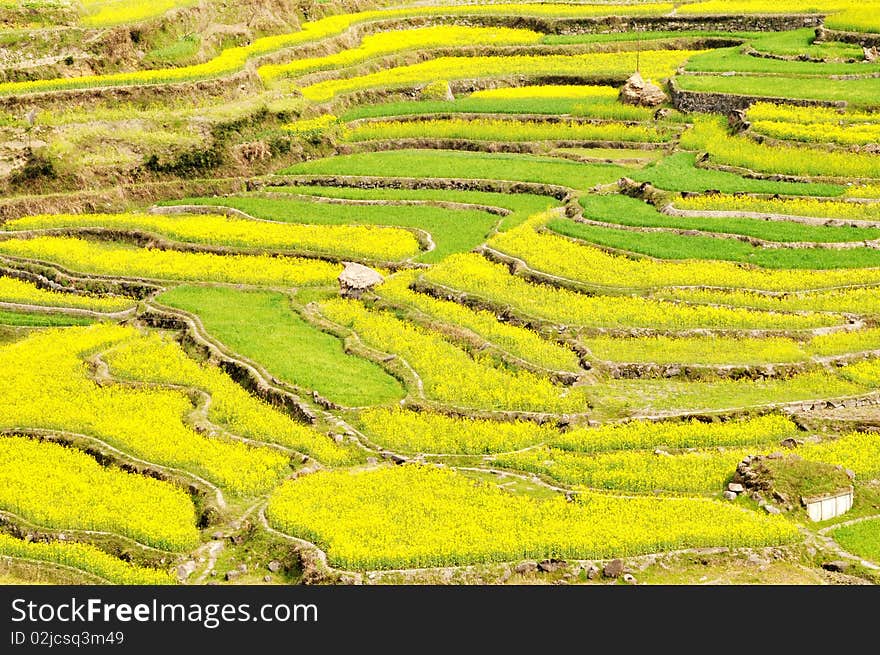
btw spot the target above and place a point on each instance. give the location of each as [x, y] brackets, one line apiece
[638, 51]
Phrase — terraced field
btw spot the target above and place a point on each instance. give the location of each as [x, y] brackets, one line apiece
[417, 293]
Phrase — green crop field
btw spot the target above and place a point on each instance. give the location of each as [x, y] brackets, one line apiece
[266, 328]
[438, 292]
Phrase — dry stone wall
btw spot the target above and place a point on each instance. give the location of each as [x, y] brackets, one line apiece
[729, 103]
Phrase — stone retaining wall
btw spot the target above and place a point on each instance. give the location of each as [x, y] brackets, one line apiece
[56, 278]
[640, 370]
[558, 192]
[727, 103]
[588, 25]
[859, 38]
[474, 145]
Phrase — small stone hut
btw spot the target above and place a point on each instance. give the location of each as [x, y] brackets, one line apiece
[357, 278]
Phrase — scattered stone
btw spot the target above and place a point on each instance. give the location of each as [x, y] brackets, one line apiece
[629, 578]
[185, 570]
[871, 54]
[274, 566]
[613, 569]
[850, 474]
[592, 572]
[780, 498]
[551, 565]
[776, 455]
[791, 442]
[772, 509]
[526, 567]
[837, 566]
[242, 568]
[645, 563]
[756, 560]
[735, 487]
[232, 575]
[218, 535]
[661, 453]
[372, 461]
[637, 91]
[729, 495]
[267, 578]
[504, 576]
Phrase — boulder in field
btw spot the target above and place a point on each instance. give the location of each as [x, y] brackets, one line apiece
[551, 565]
[357, 278]
[613, 569]
[526, 567]
[638, 91]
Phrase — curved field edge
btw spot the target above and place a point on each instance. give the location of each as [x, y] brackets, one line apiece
[375, 519]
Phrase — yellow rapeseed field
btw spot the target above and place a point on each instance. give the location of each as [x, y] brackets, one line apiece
[411, 515]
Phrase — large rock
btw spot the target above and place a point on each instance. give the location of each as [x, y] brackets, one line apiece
[613, 569]
[838, 566]
[357, 278]
[637, 91]
[551, 565]
[526, 567]
[185, 570]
